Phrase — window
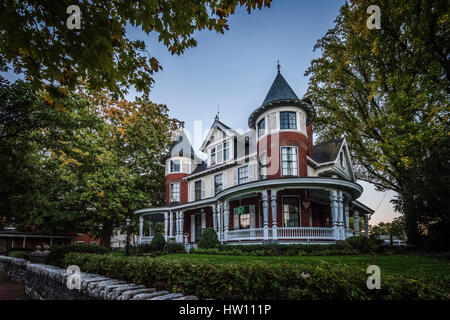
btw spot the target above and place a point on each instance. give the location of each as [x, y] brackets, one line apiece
[243, 174]
[226, 150]
[263, 166]
[218, 185]
[174, 192]
[198, 190]
[198, 227]
[175, 166]
[288, 120]
[291, 212]
[289, 161]
[261, 127]
[243, 214]
[219, 153]
[341, 159]
[213, 156]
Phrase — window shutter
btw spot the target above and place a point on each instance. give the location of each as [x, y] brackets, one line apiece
[212, 186]
[203, 188]
[235, 176]
[224, 179]
[251, 172]
[192, 227]
[252, 217]
[235, 220]
[192, 186]
[203, 220]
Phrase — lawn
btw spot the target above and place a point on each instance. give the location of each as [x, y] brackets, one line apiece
[409, 265]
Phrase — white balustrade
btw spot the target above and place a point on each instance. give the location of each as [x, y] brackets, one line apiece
[147, 239]
[284, 233]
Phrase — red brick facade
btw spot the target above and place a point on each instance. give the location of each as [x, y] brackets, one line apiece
[177, 177]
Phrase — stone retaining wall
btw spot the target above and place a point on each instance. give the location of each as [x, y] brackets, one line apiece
[47, 282]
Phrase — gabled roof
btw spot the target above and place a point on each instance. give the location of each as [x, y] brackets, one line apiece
[219, 125]
[327, 151]
[280, 90]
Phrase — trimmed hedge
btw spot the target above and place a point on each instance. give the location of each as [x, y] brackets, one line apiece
[259, 280]
[22, 254]
[57, 254]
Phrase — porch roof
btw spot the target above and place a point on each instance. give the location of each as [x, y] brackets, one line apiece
[320, 183]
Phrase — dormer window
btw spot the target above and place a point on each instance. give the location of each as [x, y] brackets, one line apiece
[288, 120]
[213, 156]
[175, 166]
[226, 151]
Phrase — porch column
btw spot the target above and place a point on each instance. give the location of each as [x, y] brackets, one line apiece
[356, 222]
[226, 213]
[366, 225]
[177, 226]
[341, 216]
[141, 228]
[273, 198]
[214, 216]
[220, 222]
[166, 225]
[171, 224]
[334, 213]
[23, 243]
[181, 226]
[347, 219]
[265, 200]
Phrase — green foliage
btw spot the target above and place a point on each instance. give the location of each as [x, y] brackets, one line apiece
[37, 42]
[159, 227]
[158, 242]
[364, 244]
[387, 91]
[19, 254]
[58, 253]
[208, 239]
[174, 247]
[279, 250]
[259, 280]
[395, 228]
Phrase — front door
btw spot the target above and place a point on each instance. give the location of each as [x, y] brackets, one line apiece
[198, 227]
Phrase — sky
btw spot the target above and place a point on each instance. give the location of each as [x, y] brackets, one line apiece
[232, 72]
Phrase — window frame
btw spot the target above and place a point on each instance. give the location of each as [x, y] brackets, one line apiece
[216, 184]
[283, 213]
[195, 190]
[171, 192]
[213, 156]
[258, 127]
[239, 174]
[289, 120]
[296, 174]
[172, 164]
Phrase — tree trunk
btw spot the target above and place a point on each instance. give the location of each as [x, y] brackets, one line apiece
[411, 219]
[106, 234]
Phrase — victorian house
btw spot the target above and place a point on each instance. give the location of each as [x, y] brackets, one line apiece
[269, 184]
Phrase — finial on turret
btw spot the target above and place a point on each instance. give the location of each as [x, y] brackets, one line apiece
[217, 115]
[278, 66]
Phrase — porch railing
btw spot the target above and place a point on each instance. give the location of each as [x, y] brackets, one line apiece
[313, 233]
[284, 233]
[146, 239]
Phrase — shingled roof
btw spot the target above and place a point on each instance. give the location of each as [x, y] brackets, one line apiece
[280, 90]
[327, 151]
[182, 147]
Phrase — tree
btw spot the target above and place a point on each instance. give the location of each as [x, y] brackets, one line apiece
[387, 91]
[37, 41]
[396, 228]
[78, 160]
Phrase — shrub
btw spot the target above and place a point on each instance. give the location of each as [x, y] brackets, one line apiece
[174, 247]
[158, 242]
[364, 244]
[258, 280]
[208, 239]
[57, 254]
[159, 227]
[19, 254]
